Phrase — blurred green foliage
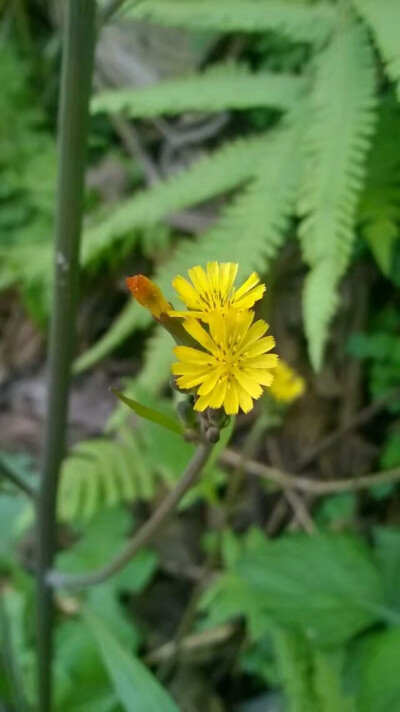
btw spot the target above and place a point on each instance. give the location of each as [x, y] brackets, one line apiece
[312, 150]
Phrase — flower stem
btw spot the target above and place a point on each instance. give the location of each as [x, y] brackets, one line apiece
[78, 46]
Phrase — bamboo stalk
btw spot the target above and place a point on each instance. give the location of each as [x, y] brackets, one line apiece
[78, 47]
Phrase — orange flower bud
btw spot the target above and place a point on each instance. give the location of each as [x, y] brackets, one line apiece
[148, 295]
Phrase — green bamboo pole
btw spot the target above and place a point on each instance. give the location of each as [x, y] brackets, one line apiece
[78, 47]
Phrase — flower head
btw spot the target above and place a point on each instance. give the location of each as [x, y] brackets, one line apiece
[231, 364]
[213, 291]
[287, 384]
[148, 295]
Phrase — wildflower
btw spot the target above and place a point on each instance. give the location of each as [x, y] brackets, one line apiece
[231, 363]
[213, 291]
[287, 384]
[148, 295]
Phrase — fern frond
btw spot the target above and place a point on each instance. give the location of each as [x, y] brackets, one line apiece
[102, 473]
[338, 140]
[379, 208]
[384, 20]
[227, 86]
[299, 22]
[320, 300]
[221, 171]
[250, 232]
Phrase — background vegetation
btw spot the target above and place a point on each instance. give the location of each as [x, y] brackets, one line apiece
[260, 131]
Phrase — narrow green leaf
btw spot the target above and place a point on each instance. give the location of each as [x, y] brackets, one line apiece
[150, 414]
[135, 686]
[226, 86]
[295, 20]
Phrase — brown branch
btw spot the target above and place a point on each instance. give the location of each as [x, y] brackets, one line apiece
[285, 481]
[57, 579]
[192, 643]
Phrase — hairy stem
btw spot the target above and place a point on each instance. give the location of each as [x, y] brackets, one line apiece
[144, 534]
[78, 45]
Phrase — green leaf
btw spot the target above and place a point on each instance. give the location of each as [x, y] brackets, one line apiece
[136, 688]
[295, 667]
[226, 86]
[379, 209]
[81, 681]
[325, 587]
[379, 673]
[222, 170]
[336, 149]
[150, 414]
[384, 20]
[330, 690]
[296, 20]
[387, 554]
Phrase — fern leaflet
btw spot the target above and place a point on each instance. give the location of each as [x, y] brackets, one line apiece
[227, 86]
[102, 473]
[299, 22]
[384, 20]
[224, 170]
[337, 144]
[250, 232]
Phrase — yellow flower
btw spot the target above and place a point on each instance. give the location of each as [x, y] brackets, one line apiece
[213, 291]
[287, 384]
[231, 364]
[148, 295]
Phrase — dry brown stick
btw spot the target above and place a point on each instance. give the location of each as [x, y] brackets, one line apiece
[361, 418]
[57, 579]
[299, 507]
[284, 480]
[301, 515]
[191, 643]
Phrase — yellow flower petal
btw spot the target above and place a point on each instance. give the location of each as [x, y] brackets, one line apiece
[262, 362]
[231, 401]
[191, 355]
[195, 330]
[260, 347]
[248, 383]
[245, 401]
[210, 382]
[287, 384]
[230, 368]
[212, 290]
[186, 292]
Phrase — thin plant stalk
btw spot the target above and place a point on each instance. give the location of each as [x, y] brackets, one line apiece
[145, 533]
[78, 48]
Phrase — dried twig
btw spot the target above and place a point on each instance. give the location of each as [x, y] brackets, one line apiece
[301, 515]
[57, 579]
[192, 643]
[285, 481]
